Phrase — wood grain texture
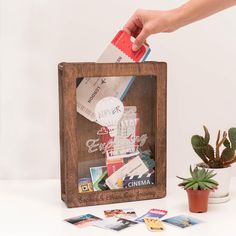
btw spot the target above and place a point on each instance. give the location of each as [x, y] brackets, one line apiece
[148, 93]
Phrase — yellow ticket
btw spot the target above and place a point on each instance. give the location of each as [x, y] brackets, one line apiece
[154, 224]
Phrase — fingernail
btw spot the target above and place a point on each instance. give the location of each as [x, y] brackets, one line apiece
[134, 47]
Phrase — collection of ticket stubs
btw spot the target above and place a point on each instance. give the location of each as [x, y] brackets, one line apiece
[99, 99]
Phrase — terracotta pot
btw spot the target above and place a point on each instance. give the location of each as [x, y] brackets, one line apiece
[198, 200]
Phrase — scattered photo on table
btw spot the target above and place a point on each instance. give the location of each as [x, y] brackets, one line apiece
[154, 224]
[182, 221]
[154, 213]
[83, 220]
[128, 213]
[115, 223]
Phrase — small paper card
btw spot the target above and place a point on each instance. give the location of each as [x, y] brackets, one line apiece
[85, 185]
[133, 167]
[153, 224]
[154, 213]
[115, 223]
[139, 180]
[114, 163]
[83, 220]
[182, 221]
[128, 213]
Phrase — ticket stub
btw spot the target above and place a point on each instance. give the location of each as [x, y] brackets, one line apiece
[114, 163]
[153, 224]
[139, 180]
[154, 213]
[93, 89]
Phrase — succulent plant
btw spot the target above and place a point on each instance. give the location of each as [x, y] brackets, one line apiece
[211, 156]
[201, 179]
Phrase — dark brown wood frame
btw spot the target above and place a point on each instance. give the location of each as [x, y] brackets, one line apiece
[68, 73]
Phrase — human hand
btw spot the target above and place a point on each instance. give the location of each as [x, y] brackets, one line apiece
[143, 23]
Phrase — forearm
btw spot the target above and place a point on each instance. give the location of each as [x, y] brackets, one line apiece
[195, 10]
[143, 23]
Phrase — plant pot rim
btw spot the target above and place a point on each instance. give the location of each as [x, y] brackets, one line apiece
[200, 190]
[226, 167]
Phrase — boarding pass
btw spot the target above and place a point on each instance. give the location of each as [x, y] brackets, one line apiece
[91, 90]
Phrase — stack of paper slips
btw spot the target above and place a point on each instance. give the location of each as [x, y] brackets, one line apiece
[91, 90]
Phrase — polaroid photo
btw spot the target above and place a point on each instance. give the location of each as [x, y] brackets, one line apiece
[182, 221]
[128, 213]
[153, 213]
[83, 220]
[114, 223]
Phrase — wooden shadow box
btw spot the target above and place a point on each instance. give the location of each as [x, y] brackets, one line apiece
[147, 93]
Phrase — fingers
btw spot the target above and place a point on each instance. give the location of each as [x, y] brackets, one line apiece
[129, 27]
[132, 25]
[136, 28]
[140, 39]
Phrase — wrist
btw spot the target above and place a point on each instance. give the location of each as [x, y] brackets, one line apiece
[176, 19]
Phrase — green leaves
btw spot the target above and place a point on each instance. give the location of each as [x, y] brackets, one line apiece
[232, 137]
[227, 154]
[212, 156]
[200, 179]
[207, 135]
[200, 146]
[226, 143]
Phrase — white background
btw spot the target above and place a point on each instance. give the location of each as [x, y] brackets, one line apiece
[38, 34]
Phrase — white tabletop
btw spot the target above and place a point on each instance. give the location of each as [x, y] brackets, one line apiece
[33, 207]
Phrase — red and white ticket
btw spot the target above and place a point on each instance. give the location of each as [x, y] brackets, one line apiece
[91, 90]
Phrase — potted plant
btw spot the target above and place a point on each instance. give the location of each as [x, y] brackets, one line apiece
[219, 158]
[198, 187]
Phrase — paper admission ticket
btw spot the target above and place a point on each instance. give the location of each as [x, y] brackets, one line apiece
[93, 89]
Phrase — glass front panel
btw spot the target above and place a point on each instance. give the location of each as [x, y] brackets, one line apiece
[116, 134]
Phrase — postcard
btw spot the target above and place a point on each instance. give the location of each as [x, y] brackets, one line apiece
[83, 220]
[154, 213]
[182, 221]
[128, 213]
[115, 223]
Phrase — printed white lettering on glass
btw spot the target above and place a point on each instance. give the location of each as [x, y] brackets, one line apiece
[95, 145]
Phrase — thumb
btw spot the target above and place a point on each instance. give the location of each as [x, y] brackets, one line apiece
[140, 39]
